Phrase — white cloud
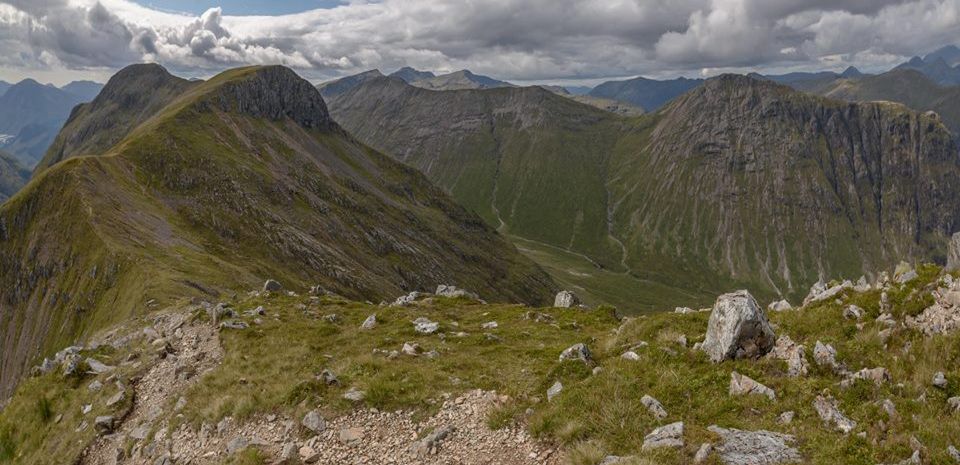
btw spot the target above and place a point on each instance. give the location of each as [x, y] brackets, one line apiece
[513, 39]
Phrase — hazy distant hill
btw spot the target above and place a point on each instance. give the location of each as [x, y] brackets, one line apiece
[33, 113]
[649, 94]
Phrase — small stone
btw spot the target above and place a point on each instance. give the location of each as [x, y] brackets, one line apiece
[237, 444]
[116, 399]
[329, 378]
[411, 348]
[779, 306]
[786, 418]
[314, 422]
[953, 453]
[665, 436]
[630, 355]
[703, 453]
[744, 385]
[98, 367]
[272, 286]
[349, 435]
[95, 386]
[827, 408]
[576, 352]
[654, 406]
[370, 322]
[104, 424]
[853, 312]
[554, 390]
[423, 325]
[940, 380]
[354, 395]
[489, 325]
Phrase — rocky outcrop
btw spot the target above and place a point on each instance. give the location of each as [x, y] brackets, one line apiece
[739, 447]
[273, 93]
[953, 253]
[738, 328]
[667, 436]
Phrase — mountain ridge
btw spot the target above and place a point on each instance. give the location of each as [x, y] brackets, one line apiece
[241, 177]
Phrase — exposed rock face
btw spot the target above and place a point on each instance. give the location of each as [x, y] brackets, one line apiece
[739, 447]
[274, 93]
[738, 328]
[953, 253]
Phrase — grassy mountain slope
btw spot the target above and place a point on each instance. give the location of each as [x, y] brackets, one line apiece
[740, 182]
[131, 97]
[244, 177]
[905, 86]
[12, 176]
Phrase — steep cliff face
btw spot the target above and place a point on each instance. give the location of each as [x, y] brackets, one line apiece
[739, 182]
[767, 185]
[242, 178]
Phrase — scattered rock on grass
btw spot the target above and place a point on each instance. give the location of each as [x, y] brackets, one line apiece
[792, 353]
[779, 306]
[654, 406]
[272, 286]
[738, 328]
[444, 290]
[423, 325]
[939, 380]
[577, 352]
[566, 299]
[827, 408]
[370, 322]
[739, 447]
[665, 436]
[741, 385]
[554, 390]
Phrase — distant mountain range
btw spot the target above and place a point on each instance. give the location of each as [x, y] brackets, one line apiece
[739, 181]
[31, 114]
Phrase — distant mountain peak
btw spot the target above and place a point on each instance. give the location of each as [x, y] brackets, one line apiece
[851, 72]
[271, 92]
[410, 74]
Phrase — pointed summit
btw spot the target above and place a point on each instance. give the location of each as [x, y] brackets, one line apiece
[338, 86]
[850, 73]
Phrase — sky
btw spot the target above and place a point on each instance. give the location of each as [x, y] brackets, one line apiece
[565, 42]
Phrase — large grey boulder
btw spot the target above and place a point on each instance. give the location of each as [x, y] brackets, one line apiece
[566, 299]
[738, 328]
[271, 285]
[739, 447]
[953, 253]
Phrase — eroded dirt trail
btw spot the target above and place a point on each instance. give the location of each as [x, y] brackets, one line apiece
[180, 352]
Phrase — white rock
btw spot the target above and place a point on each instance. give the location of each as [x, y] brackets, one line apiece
[665, 436]
[741, 385]
[792, 353]
[554, 390]
[780, 306]
[370, 322]
[423, 325]
[739, 447]
[738, 328]
[827, 408]
[576, 352]
[566, 299]
[654, 406]
[939, 380]
[853, 312]
[703, 453]
[630, 355]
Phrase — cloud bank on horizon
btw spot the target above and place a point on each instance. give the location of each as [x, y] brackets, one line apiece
[523, 40]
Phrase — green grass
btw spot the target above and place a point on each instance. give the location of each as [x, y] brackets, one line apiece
[272, 368]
